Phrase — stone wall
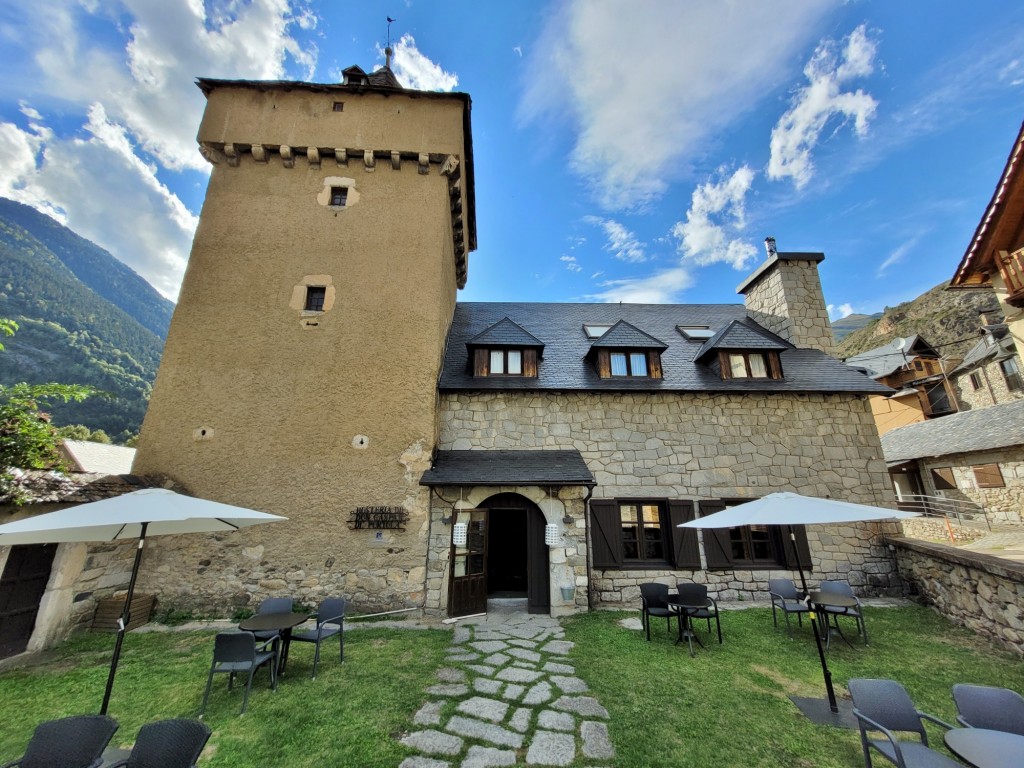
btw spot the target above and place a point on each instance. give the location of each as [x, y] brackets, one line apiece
[981, 592]
[1001, 505]
[702, 446]
[993, 389]
[934, 529]
[784, 295]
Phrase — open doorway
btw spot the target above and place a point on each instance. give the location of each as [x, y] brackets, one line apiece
[517, 557]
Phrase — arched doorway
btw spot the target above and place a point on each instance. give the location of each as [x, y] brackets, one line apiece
[504, 556]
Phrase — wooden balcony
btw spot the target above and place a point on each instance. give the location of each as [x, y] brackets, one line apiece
[1011, 268]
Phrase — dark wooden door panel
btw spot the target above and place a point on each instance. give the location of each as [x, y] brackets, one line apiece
[21, 588]
[468, 584]
[538, 569]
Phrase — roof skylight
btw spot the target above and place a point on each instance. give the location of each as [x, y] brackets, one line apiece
[695, 332]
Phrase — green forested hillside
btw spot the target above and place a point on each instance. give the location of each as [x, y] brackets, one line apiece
[71, 334]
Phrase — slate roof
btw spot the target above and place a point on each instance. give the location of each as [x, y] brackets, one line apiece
[564, 368]
[742, 334]
[887, 359]
[107, 459]
[999, 426]
[622, 335]
[45, 486]
[508, 468]
[995, 344]
[505, 333]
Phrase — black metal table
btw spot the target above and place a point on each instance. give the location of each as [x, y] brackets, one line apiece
[983, 748]
[275, 622]
[821, 601]
[684, 613]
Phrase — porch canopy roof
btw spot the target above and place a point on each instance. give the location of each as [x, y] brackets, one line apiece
[550, 468]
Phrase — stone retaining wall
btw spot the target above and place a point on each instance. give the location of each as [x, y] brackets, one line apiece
[981, 592]
[933, 529]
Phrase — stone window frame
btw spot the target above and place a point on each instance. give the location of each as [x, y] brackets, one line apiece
[772, 363]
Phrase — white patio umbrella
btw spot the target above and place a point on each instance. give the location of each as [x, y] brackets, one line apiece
[791, 509]
[149, 512]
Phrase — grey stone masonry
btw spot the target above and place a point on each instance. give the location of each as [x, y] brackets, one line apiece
[520, 709]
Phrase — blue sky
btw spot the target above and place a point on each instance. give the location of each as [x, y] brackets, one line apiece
[625, 151]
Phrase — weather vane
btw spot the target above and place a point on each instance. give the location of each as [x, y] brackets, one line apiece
[390, 22]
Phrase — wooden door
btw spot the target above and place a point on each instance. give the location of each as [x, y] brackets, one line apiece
[21, 588]
[538, 569]
[467, 591]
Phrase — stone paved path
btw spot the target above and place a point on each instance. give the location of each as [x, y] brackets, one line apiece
[509, 696]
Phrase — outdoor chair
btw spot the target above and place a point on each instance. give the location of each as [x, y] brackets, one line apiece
[885, 706]
[786, 599]
[654, 602]
[167, 744]
[856, 612]
[697, 594]
[70, 742]
[273, 605]
[983, 706]
[237, 653]
[330, 620]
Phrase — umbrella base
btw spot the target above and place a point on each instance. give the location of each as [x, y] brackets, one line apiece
[818, 711]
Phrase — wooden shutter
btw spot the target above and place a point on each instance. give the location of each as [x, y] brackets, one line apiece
[717, 550]
[606, 533]
[988, 476]
[726, 366]
[604, 364]
[774, 365]
[530, 363]
[789, 556]
[481, 362]
[654, 364]
[942, 478]
[685, 549]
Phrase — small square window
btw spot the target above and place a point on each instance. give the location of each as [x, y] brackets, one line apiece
[695, 332]
[1012, 374]
[339, 106]
[595, 331]
[315, 295]
[339, 196]
[975, 381]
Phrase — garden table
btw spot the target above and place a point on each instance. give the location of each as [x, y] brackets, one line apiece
[983, 748]
[275, 622]
[684, 612]
[821, 601]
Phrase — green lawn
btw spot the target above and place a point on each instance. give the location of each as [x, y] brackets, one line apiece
[728, 706]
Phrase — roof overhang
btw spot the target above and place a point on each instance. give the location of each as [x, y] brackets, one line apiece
[491, 468]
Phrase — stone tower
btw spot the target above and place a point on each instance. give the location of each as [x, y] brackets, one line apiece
[300, 371]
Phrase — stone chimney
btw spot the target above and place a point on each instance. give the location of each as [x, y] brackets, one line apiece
[784, 295]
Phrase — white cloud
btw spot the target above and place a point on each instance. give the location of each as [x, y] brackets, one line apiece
[660, 288]
[622, 243]
[897, 256]
[839, 311]
[648, 91]
[518, 50]
[717, 216]
[799, 130]
[571, 264]
[414, 70]
[1013, 72]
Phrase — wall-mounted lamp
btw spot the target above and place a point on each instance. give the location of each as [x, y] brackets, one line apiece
[459, 534]
[551, 535]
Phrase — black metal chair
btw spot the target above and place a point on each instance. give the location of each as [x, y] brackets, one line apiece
[273, 605]
[786, 599]
[167, 744]
[983, 706]
[697, 594]
[330, 621]
[70, 742]
[885, 706]
[237, 653]
[856, 612]
[654, 602]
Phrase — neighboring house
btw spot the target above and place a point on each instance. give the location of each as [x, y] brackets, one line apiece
[430, 453]
[995, 255]
[100, 458]
[976, 455]
[990, 372]
[917, 373]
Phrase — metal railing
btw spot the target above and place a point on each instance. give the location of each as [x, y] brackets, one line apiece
[963, 511]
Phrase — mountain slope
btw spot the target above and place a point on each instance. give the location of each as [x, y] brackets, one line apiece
[94, 267]
[948, 320]
[70, 333]
[845, 326]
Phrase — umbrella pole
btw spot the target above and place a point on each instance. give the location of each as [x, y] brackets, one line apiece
[122, 623]
[832, 704]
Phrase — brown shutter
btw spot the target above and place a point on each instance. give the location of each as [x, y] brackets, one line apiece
[530, 363]
[604, 364]
[942, 478]
[789, 556]
[685, 548]
[717, 549]
[774, 365]
[480, 362]
[606, 533]
[654, 364]
[723, 363]
[988, 476]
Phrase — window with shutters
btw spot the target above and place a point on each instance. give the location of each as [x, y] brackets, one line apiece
[988, 476]
[629, 363]
[753, 546]
[1011, 373]
[750, 365]
[943, 479]
[499, 361]
[630, 534]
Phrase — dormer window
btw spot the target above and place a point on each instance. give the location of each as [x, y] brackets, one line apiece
[508, 362]
[750, 365]
[632, 363]
[504, 349]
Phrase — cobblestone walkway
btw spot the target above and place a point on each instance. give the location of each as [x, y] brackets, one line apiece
[509, 696]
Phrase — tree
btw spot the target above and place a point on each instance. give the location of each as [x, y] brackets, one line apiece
[27, 438]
